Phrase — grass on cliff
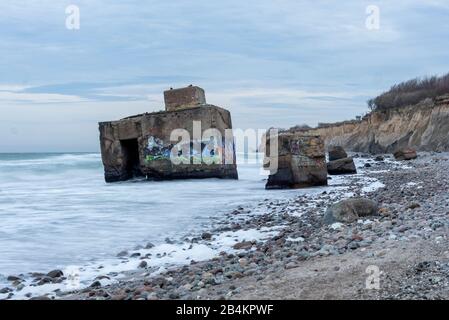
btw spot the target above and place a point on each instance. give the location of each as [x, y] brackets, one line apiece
[410, 92]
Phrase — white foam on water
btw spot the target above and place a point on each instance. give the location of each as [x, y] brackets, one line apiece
[58, 213]
[163, 255]
[376, 185]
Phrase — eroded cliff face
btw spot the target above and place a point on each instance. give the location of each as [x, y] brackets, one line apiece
[424, 126]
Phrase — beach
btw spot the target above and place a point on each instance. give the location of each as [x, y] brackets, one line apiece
[281, 249]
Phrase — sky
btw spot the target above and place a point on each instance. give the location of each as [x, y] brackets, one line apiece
[274, 63]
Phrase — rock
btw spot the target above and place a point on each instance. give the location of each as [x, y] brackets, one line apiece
[206, 236]
[95, 284]
[173, 295]
[414, 206]
[379, 158]
[37, 274]
[405, 154]
[243, 262]
[143, 264]
[5, 290]
[350, 210]
[40, 298]
[123, 253]
[300, 161]
[149, 245]
[437, 224]
[44, 280]
[384, 211]
[169, 241]
[55, 274]
[337, 153]
[14, 278]
[341, 166]
[291, 265]
[353, 245]
[243, 245]
[367, 165]
[161, 282]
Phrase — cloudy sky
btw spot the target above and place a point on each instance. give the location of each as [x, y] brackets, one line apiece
[272, 63]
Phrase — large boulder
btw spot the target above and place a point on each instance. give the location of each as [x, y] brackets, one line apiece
[300, 161]
[350, 210]
[341, 166]
[405, 154]
[336, 153]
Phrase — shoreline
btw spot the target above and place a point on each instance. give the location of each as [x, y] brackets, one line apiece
[290, 241]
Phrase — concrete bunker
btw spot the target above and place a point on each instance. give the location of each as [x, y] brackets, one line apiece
[191, 139]
[130, 150]
[296, 160]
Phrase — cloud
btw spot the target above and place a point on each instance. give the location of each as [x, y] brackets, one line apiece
[13, 87]
[271, 62]
[13, 94]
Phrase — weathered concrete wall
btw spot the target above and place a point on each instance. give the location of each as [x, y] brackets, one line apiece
[151, 133]
[301, 161]
[424, 127]
[184, 98]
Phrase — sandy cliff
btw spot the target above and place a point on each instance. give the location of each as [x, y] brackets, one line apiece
[424, 126]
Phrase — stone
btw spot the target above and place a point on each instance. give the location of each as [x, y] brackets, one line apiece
[405, 154]
[379, 158]
[5, 290]
[55, 274]
[341, 166]
[123, 253]
[300, 161]
[350, 210]
[414, 206]
[291, 265]
[243, 262]
[336, 153]
[142, 146]
[149, 245]
[353, 245]
[45, 280]
[173, 295]
[14, 278]
[143, 264]
[40, 298]
[95, 284]
[243, 245]
[206, 236]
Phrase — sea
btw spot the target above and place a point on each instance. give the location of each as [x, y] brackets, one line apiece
[57, 211]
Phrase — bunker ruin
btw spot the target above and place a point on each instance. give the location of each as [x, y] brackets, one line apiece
[295, 160]
[190, 139]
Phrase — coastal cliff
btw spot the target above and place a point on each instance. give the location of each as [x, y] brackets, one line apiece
[423, 126]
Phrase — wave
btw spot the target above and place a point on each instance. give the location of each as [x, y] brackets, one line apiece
[45, 159]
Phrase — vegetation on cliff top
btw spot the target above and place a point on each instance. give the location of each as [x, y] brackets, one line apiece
[410, 92]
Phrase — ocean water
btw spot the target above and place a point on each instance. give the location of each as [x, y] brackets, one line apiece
[56, 210]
